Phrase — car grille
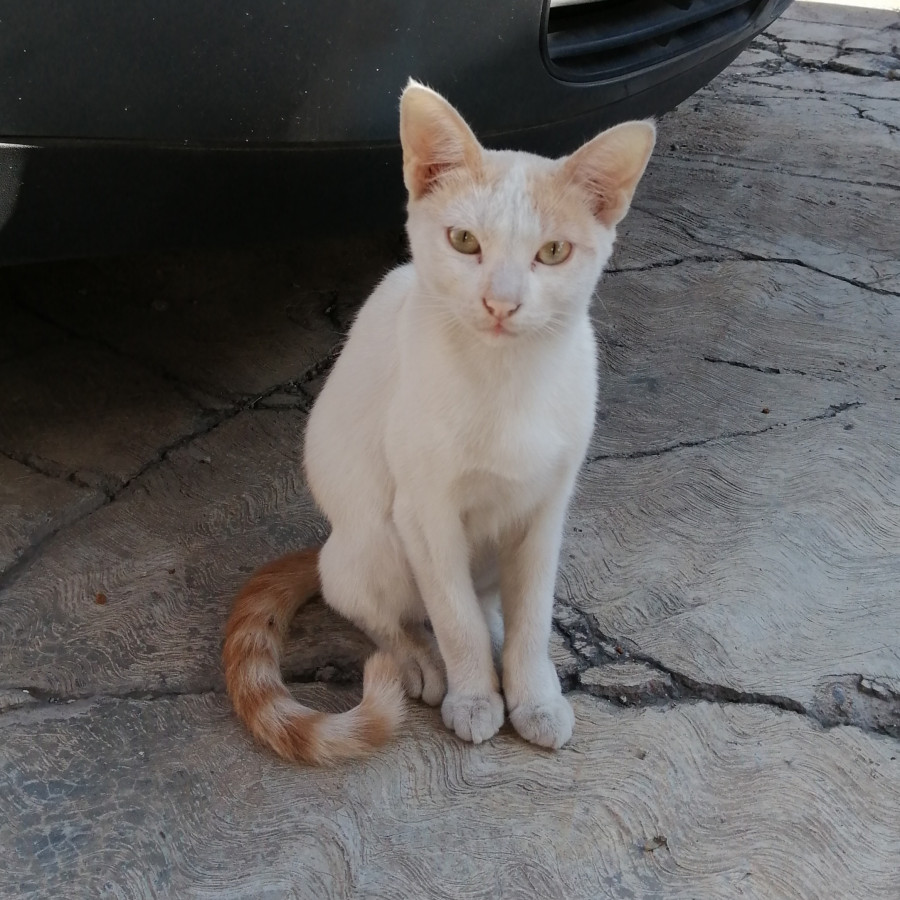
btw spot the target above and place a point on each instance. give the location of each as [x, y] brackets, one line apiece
[595, 40]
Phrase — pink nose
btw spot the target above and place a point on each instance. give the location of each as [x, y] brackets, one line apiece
[499, 309]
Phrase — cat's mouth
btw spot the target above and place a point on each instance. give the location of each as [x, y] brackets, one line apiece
[498, 331]
[493, 330]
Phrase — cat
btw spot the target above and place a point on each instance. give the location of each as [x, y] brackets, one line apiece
[444, 447]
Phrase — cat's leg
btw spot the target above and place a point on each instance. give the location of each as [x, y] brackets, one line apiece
[493, 615]
[537, 708]
[422, 666]
[366, 580]
[486, 577]
[438, 553]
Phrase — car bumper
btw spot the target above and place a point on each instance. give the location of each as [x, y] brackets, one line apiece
[302, 137]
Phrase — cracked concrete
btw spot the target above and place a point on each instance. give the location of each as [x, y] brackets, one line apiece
[619, 671]
[726, 621]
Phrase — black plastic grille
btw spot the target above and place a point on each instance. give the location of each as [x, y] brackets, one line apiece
[607, 39]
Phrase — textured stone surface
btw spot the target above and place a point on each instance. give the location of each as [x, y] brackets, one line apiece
[34, 506]
[727, 624]
[222, 325]
[165, 797]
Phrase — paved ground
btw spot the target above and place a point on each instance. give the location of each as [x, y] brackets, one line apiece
[728, 624]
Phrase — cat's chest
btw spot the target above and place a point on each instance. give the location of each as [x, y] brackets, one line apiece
[525, 423]
[489, 504]
[516, 444]
[508, 450]
[503, 470]
[497, 432]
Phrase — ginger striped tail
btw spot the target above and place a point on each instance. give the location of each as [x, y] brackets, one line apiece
[254, 636]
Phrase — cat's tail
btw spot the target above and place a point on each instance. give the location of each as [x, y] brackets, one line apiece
[254, 636]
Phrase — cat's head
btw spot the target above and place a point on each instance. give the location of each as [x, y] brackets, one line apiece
[508, 244]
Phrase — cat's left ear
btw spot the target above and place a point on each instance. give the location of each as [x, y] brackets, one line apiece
[435, 139]
[610, 166]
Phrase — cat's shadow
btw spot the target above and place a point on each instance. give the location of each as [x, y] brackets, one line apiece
[338, 659]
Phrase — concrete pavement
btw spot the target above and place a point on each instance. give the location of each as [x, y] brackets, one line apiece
[728, 624]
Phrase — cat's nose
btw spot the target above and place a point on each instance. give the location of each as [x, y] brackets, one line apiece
[499, 309]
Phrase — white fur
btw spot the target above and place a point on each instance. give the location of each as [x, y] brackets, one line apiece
[444, 453]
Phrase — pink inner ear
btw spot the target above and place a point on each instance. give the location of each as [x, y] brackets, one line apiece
[428, 176]
[602, 199]
[605, 198]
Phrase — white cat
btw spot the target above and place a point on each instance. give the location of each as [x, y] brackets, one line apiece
[445, 444]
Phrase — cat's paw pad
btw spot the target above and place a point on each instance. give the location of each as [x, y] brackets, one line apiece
[475, 717]
[547, 723]
[423, 678]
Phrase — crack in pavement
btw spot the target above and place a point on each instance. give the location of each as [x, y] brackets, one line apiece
[763, 166]
[37, 698]
[750, 256]
[628, 677]
[866, 115]
[682, 445]
[186, 391]
[771, 42]
[669, 263]
[817, 92]
[663, 685]
[851, 68]
[765, 370]
[47, 468]
[109, 495]
[830, 413]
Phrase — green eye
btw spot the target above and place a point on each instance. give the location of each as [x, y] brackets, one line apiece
[463, 241]
[554, 252]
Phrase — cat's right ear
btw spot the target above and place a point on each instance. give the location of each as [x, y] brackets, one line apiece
[435, 139]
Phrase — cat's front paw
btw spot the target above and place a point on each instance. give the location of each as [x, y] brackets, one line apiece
[547, 723]
[474, 717]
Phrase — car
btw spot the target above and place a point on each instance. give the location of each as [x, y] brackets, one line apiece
[160, 124]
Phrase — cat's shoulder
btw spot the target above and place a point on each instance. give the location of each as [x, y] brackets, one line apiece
[394, 287]
[375, 325]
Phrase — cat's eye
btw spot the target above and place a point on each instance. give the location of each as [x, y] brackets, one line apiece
[463, 240]
[554, 252]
